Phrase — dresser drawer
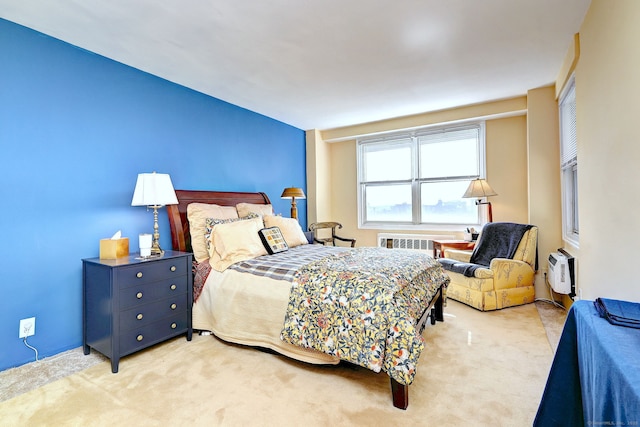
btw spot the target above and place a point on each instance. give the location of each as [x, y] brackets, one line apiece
[152, 333]
[150, 292]
[148, 313]
[151, 272]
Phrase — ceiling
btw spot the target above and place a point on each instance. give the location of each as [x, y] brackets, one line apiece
[320, 64]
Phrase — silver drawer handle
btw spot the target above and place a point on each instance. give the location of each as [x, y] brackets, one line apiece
[140, 337]
[173, 268]
[139, 274]
[173, 306]
[173, 287]
[139, 295]
[173, 326]
[139, 316]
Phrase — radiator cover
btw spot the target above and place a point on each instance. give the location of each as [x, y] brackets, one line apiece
[420, 242]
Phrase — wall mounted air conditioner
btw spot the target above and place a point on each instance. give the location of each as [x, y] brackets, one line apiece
[561, 273]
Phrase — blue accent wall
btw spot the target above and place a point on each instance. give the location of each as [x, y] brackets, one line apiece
[75, 131]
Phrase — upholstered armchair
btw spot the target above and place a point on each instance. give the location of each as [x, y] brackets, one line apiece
[500, 271]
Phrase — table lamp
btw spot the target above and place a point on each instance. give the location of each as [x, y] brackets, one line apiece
[154, 190]
[293, 193]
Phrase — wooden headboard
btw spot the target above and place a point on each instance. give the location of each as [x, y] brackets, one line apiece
[180, 235]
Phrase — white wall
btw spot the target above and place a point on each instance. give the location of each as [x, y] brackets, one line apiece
[608, 111]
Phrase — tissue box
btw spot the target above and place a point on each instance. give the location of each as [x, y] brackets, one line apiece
[114, 248]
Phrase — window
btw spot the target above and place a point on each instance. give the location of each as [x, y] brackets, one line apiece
[569, 163]
[411, 180]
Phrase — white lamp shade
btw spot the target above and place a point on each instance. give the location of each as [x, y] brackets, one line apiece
[154, 189]
[479, 188]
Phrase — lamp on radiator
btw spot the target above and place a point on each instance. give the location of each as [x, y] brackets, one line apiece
[479, 188]
[154, 190]
[293, 193]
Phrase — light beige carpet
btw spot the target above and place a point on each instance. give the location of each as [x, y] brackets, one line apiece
[481, 369]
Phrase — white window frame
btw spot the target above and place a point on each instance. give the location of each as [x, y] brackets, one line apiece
[569, 163]
[414, 135]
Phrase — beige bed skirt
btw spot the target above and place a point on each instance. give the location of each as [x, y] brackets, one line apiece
[247, 309]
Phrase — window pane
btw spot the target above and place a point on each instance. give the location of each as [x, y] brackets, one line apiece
[571, 225]
[442, 203]
[388, 203]
[387, 162]
[574, 189]
[418, 177]
[569, 164]
[568, 136]
[449, 158]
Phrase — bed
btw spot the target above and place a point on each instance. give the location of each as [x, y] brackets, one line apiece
[268, 301]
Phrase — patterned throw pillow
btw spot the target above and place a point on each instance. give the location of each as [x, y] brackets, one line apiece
[272, 240]
[211, 222]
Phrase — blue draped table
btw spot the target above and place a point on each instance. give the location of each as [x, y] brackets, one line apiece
[595, 376]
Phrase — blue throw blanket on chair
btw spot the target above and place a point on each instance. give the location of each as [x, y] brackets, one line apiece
[498, 240]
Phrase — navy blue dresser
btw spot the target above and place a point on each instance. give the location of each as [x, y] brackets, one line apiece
[131, 303]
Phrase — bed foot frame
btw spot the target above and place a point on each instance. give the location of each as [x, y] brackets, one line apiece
[400, 394]
[435, 311]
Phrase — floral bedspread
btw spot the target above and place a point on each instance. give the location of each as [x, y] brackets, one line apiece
[362, 306]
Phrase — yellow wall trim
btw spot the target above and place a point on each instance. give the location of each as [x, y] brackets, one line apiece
[569, 64]
[516, 106]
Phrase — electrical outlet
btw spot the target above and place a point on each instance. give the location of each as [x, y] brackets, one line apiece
[27, 327]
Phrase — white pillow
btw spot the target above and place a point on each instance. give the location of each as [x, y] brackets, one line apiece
[197, 214]
[212, 222]
[235, 242]
[290, 228]
[245, 209]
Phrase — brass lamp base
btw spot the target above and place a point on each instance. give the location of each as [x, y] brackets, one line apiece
[155, 245]
[156, 251]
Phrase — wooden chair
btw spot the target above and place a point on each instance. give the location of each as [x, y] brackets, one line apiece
[315, 227]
